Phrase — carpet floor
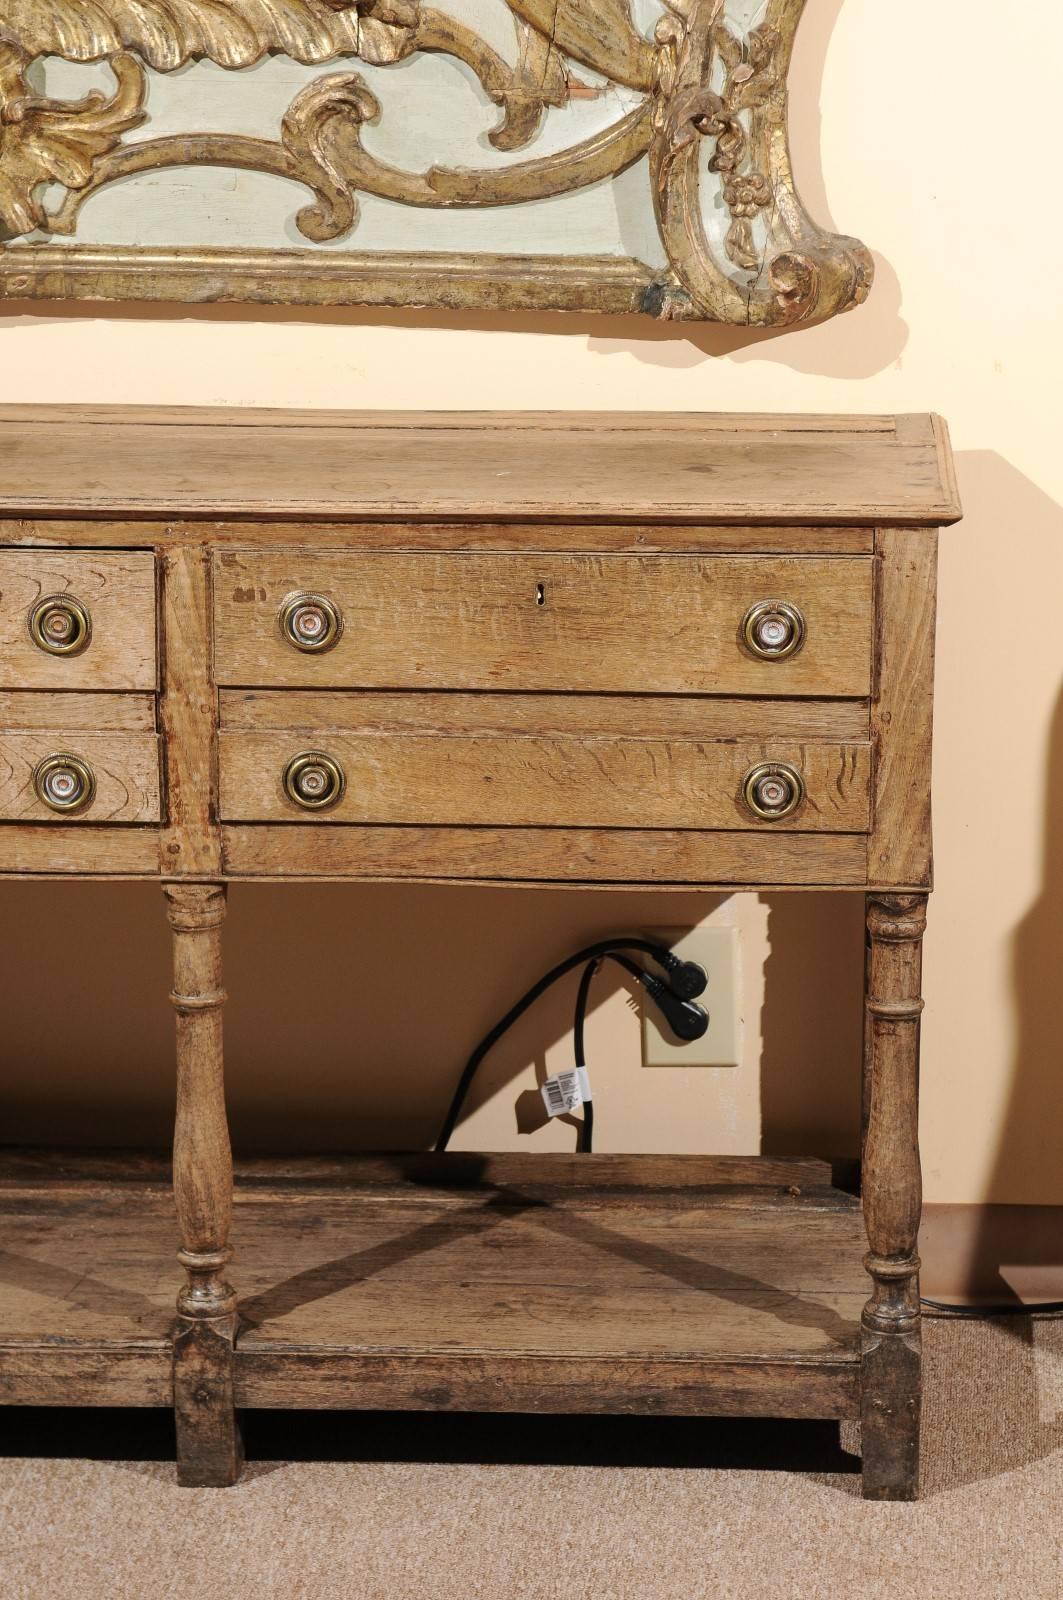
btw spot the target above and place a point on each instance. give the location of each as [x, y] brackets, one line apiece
[374, 1507]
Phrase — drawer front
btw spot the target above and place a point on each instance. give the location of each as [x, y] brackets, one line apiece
[548, 781]
[647, 624]
[90, 777]
[99, 635]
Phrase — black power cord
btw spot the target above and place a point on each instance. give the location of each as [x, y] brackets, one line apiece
[1004, 1308]
[675, 999]
[586, 1137]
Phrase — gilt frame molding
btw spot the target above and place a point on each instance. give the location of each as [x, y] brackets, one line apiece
[699, 80]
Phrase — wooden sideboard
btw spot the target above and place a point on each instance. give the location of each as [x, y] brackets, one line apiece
[690, 651]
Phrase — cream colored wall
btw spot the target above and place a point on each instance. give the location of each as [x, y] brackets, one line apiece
[937, 123]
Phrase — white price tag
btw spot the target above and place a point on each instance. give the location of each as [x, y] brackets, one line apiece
[566, 1091]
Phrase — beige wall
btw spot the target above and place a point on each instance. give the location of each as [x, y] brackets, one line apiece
[936, 122]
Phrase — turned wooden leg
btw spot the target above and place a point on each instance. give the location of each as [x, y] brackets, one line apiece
[892, 1194]
[208, 1440]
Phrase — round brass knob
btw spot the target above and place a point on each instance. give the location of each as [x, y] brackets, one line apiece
[311, 622]
[60, 625]
[314, 781]
[64, 783]
[773, 630]
[773, 790]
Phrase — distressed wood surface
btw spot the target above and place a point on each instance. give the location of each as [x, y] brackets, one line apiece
[491, 780]
[117, 589]
[118, 713]
[900, 849]
[188, 715]
[545, 622]
[892, 1198]
[703, 1285]
[642, 467]
[650, 716]
[652, 857]
[539, 682]
[43, 850]
[125, 765]
[208, 1440]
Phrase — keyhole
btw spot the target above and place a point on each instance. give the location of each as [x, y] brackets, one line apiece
[540, 594]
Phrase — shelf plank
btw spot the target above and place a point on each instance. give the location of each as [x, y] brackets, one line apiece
[685, 1285]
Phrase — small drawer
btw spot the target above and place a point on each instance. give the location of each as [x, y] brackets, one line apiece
[546, 781]
[77, 620]
[72, 776]
[741, 625]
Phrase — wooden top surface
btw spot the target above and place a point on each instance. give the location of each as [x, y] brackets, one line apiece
[99, 461]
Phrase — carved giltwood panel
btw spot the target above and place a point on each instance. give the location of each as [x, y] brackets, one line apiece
[608, 155]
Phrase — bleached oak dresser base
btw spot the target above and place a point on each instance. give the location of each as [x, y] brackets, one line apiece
[608, 650]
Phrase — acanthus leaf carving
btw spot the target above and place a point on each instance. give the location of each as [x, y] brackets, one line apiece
[701, 80]
[48, 141]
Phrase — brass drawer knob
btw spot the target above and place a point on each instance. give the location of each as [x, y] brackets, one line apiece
[64, 783]
[311, 622]
[773, 790]
[314, 781]
[773, 630]
[60, 625]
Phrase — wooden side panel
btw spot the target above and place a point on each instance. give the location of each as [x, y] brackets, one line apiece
[900, 849]
[118, 591]
[603, 856]
[188, 716]
[125, 766]
[644, 624]
[492, 781]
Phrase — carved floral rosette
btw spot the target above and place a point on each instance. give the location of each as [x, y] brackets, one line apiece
[701, 86]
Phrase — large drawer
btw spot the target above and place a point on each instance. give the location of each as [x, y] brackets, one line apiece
[495, 780]
[645, 624]
[98, 634]
[91, 777]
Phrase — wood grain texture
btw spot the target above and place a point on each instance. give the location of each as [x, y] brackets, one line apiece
[118, 713]
[900, 851]
[119, 592]
[705, 1286]
[578, 856]
[892, 1198]
[635, 467]
[490, 780]
[125, 765]
[208, 1440]
[40, 849]
[545, 622]
[649, 716]
[188, 716]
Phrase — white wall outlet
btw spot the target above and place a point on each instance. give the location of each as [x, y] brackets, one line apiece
[713, 946]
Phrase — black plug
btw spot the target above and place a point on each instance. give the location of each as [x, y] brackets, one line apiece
[685, 978]
[687, 1020]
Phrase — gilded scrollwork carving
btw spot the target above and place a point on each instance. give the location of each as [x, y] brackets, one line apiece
[700, 81]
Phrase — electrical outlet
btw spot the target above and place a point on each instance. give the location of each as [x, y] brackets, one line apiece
[713, 946]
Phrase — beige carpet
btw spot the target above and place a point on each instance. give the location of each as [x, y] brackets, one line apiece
[453, 1509]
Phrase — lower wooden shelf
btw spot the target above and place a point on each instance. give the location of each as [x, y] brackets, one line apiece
[670, 1285]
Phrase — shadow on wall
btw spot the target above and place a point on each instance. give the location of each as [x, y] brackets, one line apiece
[1031, 1130]
[854, 346]
[352, 1009]
[999, 675]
